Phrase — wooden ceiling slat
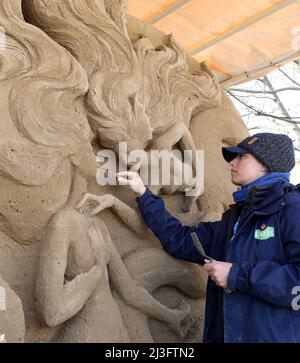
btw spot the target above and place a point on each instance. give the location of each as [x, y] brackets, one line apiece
[168, 11]
[243, 26]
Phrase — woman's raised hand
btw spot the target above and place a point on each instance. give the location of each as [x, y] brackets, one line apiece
[132, 179]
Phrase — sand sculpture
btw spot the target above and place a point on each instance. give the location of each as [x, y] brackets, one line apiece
[77, 263]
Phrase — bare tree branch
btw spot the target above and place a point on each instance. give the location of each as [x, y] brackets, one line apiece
[257, 97]
[288, 77]
[260, 113]
[254, 128]
[262, 95]
[277, 99]
[265, 92]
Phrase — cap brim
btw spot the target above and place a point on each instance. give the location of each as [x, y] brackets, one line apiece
[229, 153]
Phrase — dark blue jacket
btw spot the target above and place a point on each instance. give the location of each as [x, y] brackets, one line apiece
[265, 252]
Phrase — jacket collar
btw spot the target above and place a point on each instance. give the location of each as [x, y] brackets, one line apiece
[268, 199]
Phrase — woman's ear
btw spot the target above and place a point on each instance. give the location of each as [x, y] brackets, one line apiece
[264, 168]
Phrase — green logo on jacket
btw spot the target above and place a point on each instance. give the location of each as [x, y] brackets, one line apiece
[266, 233]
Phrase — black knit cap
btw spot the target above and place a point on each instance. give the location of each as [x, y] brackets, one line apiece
[275, 151]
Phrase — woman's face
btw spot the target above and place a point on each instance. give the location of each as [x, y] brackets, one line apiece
[245, 168]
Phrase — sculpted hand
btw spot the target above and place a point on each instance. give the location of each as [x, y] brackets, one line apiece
[101, 251]
[133, 180]
[218, 271]
[93, 204]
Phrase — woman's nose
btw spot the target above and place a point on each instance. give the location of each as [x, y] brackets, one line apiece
[233, 161]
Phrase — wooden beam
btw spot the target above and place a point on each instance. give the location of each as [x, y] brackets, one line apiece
[171, 9]
[259, 71]
[243, 26]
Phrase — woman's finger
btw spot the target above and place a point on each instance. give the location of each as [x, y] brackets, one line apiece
[124, 181]
[207, 267]
[127, 174]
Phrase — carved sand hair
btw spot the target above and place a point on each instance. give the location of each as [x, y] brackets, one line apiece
[132, 91]
[171, 93]
[95, 33]
[44, 83]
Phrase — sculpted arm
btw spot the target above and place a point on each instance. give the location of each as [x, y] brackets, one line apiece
[94, 204]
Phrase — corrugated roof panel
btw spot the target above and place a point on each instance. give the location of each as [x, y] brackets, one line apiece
[235, 37]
